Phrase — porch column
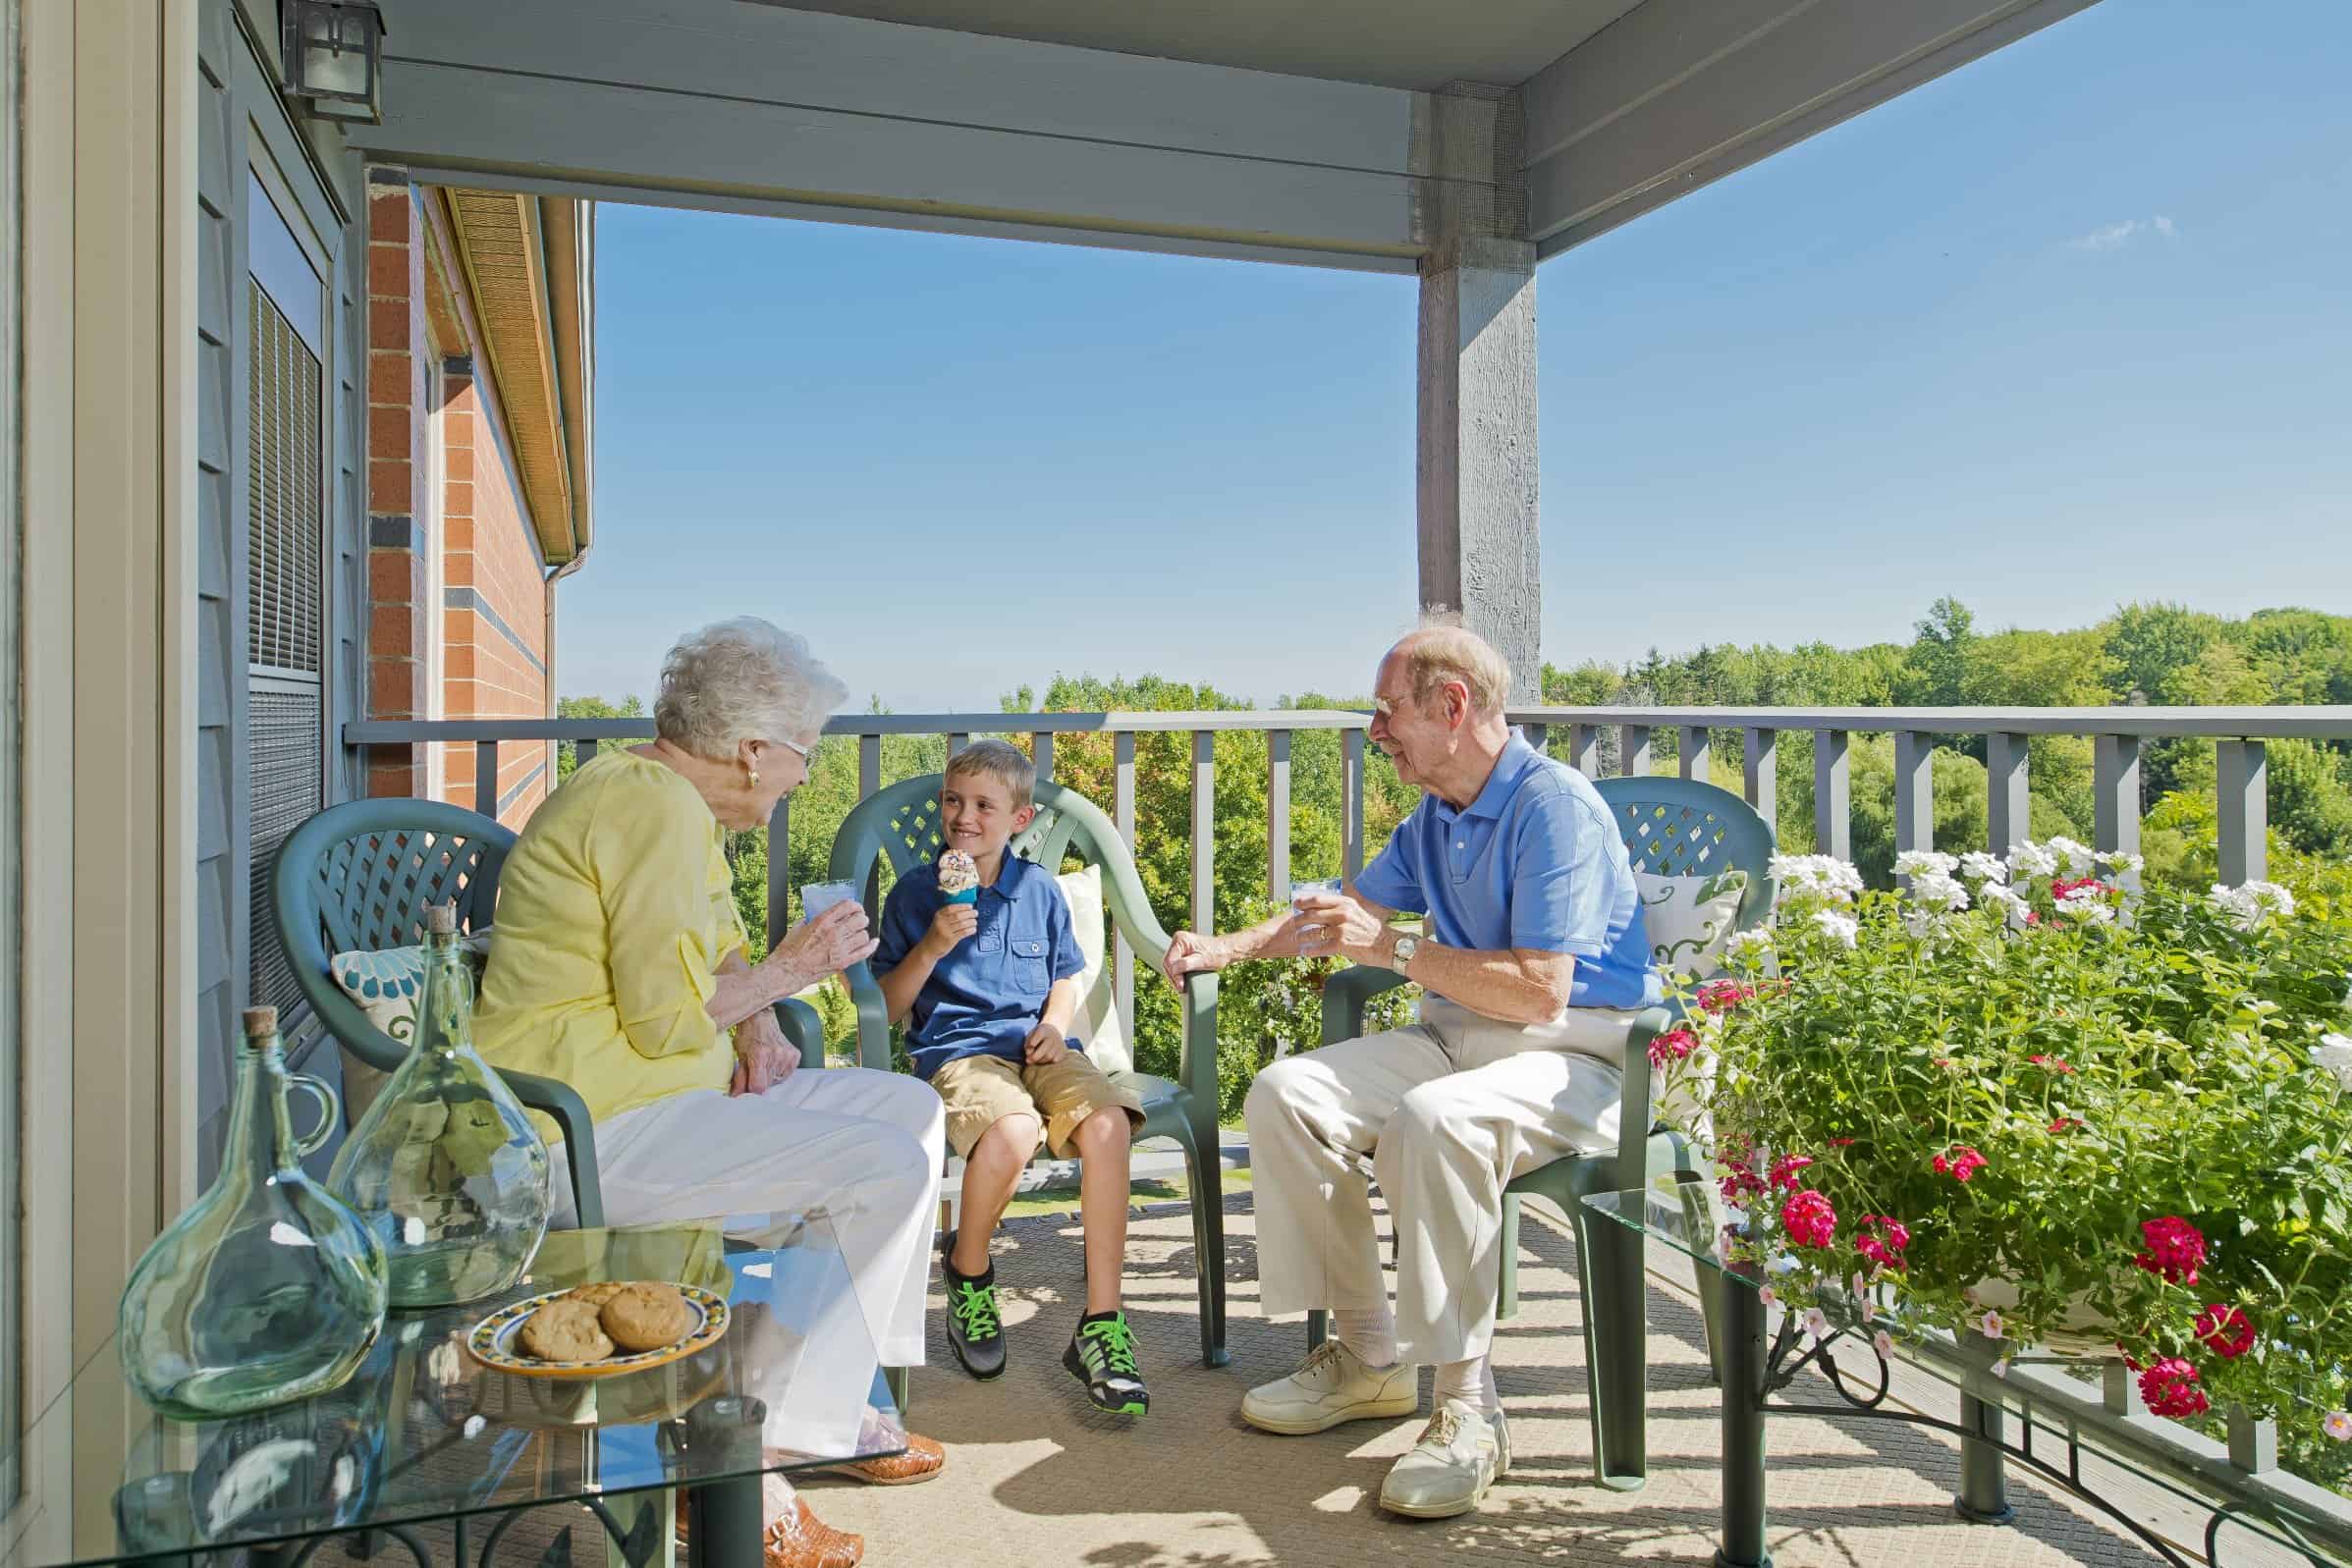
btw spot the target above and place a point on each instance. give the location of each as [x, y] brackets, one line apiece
[1477, 457]
[1477, 468]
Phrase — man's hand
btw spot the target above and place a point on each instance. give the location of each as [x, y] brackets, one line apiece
[1046, 1042]
[1332, 925]
[1192, 953]
[763, 1057]
[952, 923]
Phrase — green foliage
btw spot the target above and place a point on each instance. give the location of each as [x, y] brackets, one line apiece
[567, 754]
[2186, 1063]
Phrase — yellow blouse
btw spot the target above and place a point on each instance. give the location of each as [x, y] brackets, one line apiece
[615, 909]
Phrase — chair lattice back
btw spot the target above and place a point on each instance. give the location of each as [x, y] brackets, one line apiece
[1682, 827]
[375, 886]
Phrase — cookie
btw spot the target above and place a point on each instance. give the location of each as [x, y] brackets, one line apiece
[646, 1317]
[566, 1331]
[597, 1295]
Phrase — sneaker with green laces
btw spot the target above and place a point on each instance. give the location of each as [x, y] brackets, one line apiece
[975, 1329]
[1101, 1356]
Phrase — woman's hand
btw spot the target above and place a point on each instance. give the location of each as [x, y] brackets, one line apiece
[763, 1057]
[816, 948]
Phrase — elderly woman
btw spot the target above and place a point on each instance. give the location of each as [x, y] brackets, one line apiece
[619, 968]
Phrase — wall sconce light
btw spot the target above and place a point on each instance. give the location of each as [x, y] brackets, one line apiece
[333, 57]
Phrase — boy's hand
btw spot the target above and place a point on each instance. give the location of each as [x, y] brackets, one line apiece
[952, 923]
[1046, 1044]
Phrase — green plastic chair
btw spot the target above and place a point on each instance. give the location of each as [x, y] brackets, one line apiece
[900, 825]
[1673, 827]
[358, 877]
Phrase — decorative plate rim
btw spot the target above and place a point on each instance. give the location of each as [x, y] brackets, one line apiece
[482, 1340]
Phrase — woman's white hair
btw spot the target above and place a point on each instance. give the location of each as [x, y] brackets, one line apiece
[741, 679]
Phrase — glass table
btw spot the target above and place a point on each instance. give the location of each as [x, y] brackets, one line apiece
[2009, 1400]
[422, 1434]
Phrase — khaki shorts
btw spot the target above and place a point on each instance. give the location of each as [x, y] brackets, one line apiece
[982, 1091]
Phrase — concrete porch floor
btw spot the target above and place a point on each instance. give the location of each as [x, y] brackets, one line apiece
[1035, 1478]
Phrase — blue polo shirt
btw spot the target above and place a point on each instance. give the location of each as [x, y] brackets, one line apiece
[987, 993]
[1535, 861]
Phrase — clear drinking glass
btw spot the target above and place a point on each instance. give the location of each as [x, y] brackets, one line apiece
[1300, 892]
[267, 1289]
[446, 1168]
[818, 897]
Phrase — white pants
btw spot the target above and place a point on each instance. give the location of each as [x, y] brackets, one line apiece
[865, 1147]
[1448, 1110]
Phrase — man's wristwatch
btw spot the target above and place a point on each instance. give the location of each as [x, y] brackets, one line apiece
[1402, 951]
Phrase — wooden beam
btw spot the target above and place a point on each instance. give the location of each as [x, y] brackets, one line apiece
[1678, 94]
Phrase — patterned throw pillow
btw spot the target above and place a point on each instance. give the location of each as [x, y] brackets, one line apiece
[1097, 1025]
[1690, 918]
[385, 984]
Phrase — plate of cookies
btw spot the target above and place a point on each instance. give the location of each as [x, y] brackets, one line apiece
[595, 1331]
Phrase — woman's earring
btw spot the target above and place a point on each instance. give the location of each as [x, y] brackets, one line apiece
[755, 773]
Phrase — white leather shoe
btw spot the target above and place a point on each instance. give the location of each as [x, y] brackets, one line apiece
[1461, 1453]
[1332, 1386]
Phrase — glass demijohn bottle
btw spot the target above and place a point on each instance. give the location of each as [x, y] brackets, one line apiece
[446, 1167]
[267, 1289]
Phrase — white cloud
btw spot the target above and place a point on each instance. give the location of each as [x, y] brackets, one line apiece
[2115, 235]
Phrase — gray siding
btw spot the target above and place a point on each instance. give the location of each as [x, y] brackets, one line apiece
[238, 105]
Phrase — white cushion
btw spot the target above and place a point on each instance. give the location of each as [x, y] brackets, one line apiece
[1098, 1025]
[1689, 919]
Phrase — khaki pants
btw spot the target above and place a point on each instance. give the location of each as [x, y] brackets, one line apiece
[1447, 1109]
[981, 1091]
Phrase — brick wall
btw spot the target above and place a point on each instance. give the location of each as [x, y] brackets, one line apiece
[428, 380]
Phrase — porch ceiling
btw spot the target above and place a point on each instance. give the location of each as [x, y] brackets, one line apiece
[1304, 131]
[1390, 43]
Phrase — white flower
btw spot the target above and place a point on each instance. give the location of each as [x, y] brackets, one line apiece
[2338, 1424]
[1939, 891]
[1817, 1323]
[2000, 1368]
[2087, 904]
[1756, 938]
[1979, 866]
[1884, 1344]
[1925, 863]
[1768, 1296]
[1992, 1326]
[1846, 928]
[2007, 902]
[1817, 876]
[2081, 859]
[2122, 862]
[2333, 1053]
[2030, 859]
[2250, 902]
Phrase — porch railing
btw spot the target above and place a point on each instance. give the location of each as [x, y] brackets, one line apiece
[1572, 733]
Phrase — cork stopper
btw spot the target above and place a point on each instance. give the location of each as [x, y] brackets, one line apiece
[441, 919]
[260, 1021]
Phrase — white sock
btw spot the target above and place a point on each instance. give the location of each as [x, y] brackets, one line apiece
[1369, 1331]
[1471, 1382]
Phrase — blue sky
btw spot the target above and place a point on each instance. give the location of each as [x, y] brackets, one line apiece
[2068, 327]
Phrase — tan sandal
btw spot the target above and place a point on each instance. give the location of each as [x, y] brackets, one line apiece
[922, 1460]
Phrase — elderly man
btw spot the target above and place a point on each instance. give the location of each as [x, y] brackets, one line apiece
[1534, 964]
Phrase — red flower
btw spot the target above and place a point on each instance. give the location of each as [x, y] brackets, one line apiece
[1883, 1240]
[1841, 1142]
[2227, 1332]
[2170, 1388]
[1809, 1220]
[1672, 1047]
[1784, 1171]
[2061, 887]
[1722, 994]
[2031, 919]
[2176, 1249]
[1739, 1183]
[1962, 1163]
[2063, 1123]
[2052, 1063]
[1947, 1064]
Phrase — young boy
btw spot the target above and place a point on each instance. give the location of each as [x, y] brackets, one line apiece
[991, 987]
